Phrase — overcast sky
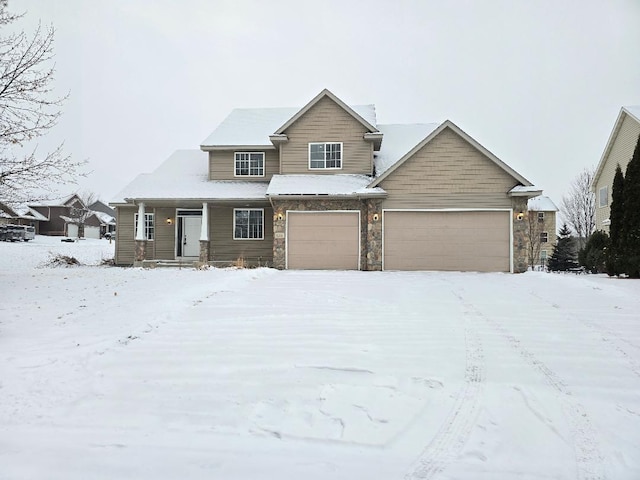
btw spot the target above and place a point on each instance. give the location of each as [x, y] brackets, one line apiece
[538, 83]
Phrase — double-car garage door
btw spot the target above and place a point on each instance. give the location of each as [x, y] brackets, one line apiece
[447, 240]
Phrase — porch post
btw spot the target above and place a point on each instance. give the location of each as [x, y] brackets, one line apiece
[204, 234]
[141, 243]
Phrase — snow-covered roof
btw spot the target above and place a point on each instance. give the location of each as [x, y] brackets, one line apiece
[184, 175]
[56, 202]
[252, 126]
[105, 218]
[541, 204]
[330, 185]
[524, 190]
[397, 141]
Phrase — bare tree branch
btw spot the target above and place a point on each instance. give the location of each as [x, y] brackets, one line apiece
[28, 109]
[579, 206]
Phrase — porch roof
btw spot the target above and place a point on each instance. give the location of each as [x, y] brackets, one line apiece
[329, 185]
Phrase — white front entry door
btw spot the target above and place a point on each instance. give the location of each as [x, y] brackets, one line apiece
[191, 236]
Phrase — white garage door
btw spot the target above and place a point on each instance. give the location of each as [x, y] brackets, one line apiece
[72, 230]
[460, 241]
[323, 240]
[91, 232]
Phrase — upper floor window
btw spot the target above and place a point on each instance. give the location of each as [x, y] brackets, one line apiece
[249, 164]
[325, 155]
[603, 196]
[149, 229]
[544, 237]
[541, 217]
[248, 224]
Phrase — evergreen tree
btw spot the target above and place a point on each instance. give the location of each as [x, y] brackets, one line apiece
[563, 257]
[592, 256]
[631, 216]
[614, 252]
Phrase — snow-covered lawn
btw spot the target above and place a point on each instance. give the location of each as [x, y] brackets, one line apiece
[114, 373]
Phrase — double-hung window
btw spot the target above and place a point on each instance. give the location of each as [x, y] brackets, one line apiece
[544, 237]
[603, 196]
[248, 224]
[325, 155]
[541, 217]
[249, 164]
[148, 226]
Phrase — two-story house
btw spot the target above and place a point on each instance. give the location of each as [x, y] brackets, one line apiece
[327, 187]
[618, 151]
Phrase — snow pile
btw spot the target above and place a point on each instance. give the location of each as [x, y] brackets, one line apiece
[247, 374]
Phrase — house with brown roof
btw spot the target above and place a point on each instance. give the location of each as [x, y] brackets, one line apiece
[618, 151]
[327, 187]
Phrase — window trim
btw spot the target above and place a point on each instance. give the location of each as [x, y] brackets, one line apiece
[544, 235]
[606, 196]
[148, 227]
[325, 155]
[235, 164]
[541, 217]
[261, 210]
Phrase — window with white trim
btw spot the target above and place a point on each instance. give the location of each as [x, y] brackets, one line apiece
[325, 155]
[249, 164]
[149, 229]
[543, 257]
[248, 224]
[541, 217]
[603, 196]
[544, 237]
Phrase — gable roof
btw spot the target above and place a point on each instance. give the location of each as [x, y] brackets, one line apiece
[366, 115]
[633, 112]
[59, 202]
[467, 138]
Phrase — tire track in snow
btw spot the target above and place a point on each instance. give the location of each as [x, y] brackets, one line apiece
[613, 340]
[452, 436]
[588, 457]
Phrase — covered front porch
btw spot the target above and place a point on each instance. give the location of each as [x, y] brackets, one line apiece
[189, 233]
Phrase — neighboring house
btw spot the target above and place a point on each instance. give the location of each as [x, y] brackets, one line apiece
[66, 217]
[21, 215]
[545, 212]
[325, 186]
[106, 215]
[618, 151]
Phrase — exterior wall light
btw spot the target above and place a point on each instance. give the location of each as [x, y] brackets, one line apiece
[280, 217]
[520, 215]
[169, 221]
[375, 217]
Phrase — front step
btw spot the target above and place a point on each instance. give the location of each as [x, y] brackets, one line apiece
[169, 263]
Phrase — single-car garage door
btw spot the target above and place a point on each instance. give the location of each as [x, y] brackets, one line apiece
[461, 241]
[323, 240]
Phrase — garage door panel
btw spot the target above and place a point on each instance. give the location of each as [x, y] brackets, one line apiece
[457, 241]
[323, 240]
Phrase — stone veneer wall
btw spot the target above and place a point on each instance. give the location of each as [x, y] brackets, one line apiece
[520, 263]
[370, 229]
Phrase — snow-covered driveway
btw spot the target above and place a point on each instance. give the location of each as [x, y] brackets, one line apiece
[223, 374]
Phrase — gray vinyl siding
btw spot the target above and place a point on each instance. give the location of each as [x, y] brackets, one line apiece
[326, 121]
[448, 172]
[165, 234]
[125, 236]
[620, 153]
[222, 165]
[223, 248]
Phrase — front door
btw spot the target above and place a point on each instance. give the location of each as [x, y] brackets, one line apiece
[189, 238]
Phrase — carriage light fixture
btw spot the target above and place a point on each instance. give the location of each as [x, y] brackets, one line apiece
[169, 221]
[375, 217]
[520, 215]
